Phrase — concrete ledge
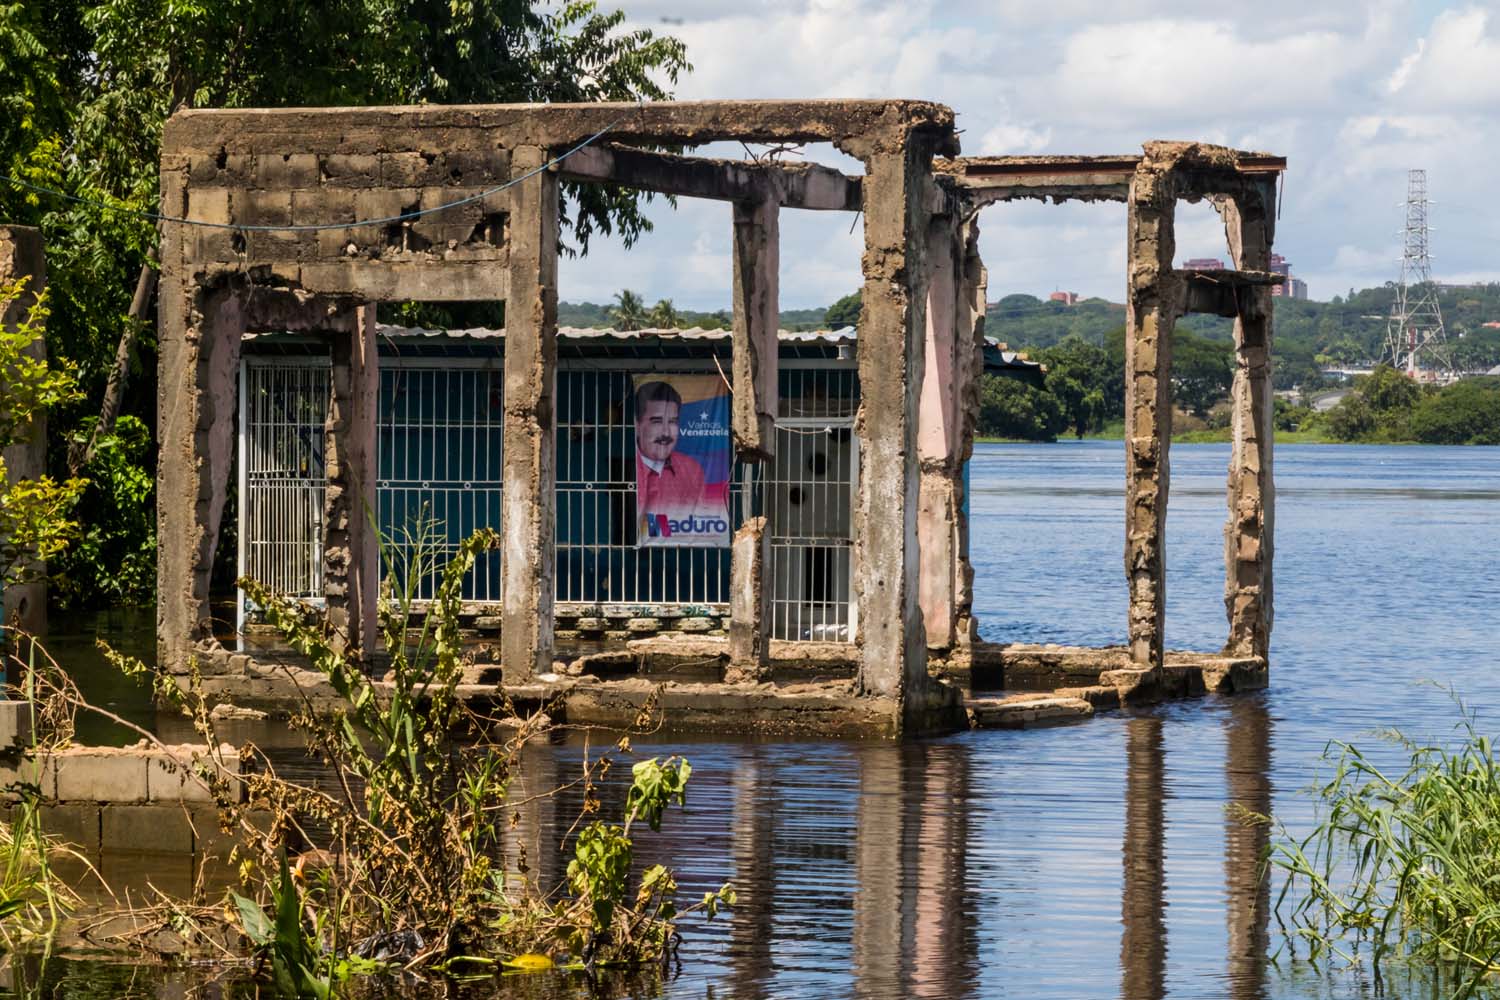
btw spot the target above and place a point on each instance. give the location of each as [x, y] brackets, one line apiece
[129, 775]
[1028, 711]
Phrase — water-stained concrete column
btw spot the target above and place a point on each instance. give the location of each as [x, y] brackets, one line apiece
[199, 332]
[945, 433]
[22, 258]
[1154, 301]
[892, 329]
[1249, 222]
[529, 477]
[351, 555]
[750, 603]
[757, 318]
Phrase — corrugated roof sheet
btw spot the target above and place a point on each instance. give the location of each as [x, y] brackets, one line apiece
[843, 336]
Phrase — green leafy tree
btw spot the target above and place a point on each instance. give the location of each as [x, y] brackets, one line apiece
[1466, 412]
[1079, 377]
[86, 85]
[1202, 371]
[1387, 389]
[1351, 419]
[35, 513]
[629, 312]
[844, 312]
[664, 315]
[1010, 408]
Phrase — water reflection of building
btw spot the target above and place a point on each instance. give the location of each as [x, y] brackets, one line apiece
[1247, 770]
[1143, 940]
[915, 912]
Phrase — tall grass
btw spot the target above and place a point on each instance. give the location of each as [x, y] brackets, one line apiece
[1406, 866]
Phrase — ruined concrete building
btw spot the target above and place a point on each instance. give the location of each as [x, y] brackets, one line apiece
[315, 209]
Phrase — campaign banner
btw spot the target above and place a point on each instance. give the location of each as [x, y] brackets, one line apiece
[682, 461]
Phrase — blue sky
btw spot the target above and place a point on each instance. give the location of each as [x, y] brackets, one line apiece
[1353, 94]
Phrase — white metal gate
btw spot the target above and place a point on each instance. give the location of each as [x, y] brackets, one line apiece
[283, 408]
[807, 494]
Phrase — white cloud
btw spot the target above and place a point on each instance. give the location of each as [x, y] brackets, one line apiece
[1352, 94]
[1456, 66]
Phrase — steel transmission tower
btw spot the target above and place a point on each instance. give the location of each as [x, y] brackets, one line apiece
[1414, 339]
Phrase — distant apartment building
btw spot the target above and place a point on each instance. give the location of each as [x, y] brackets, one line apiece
[1291, 288]
[1066, 298]
[1203, 264]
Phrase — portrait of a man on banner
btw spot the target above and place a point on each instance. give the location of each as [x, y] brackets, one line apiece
[682, 460]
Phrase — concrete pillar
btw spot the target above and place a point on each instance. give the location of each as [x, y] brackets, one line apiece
[199, 332]
[1249, 224]
[757, 319]
[892, 330]
[1153, 303]
[351, 552]
[953, 360]
[750, 603]
[1143, 935]
[529, 476]
[22, 257]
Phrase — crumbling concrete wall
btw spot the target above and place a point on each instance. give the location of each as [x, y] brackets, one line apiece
[22, 257]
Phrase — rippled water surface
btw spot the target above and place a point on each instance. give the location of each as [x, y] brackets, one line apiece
[1096, 860]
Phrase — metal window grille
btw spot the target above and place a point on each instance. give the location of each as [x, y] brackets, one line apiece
[283, 407]
[598, 561]
[808, 496]
[439, 447]
[439, 444]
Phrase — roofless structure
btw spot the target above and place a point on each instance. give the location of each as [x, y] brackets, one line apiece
[320, 214]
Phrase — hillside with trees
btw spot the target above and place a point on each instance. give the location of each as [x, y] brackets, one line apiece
[1083, 347]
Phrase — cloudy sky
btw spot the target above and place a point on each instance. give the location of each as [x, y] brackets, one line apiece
[1353, 94]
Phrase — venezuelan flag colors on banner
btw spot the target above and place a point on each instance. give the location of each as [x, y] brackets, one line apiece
[682, 460]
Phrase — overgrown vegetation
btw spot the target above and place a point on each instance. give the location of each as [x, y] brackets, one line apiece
[36, 519]
[1404, 865]
[85, 87]
[1387, 405]
[402, 864]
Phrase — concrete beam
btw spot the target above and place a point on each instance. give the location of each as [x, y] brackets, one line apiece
[1226, 293]
[757, 319]
[22, 257]
[795, 185]
[529, 474]
[351, 555]
[366, 131]
[1248, 533]
[1154, 302]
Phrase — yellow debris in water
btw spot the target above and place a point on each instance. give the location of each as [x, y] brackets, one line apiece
[529, 963]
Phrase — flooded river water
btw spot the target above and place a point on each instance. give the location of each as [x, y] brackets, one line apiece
[1096, 860]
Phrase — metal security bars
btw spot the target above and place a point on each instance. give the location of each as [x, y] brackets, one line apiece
[283, 408]
[808, 498]
[439, 453]
[598, 562]
[440, 446]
